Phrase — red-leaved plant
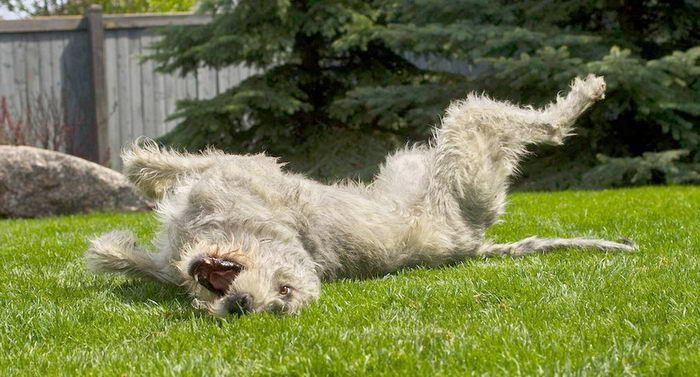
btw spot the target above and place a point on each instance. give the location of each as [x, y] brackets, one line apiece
[43, 124]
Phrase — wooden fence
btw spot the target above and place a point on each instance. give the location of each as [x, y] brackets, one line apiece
[88, 70]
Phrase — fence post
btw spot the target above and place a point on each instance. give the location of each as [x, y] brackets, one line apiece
[99, 82]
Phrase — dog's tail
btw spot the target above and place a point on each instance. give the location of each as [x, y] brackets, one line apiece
[118, 252]
[154, 170]
[533, 245]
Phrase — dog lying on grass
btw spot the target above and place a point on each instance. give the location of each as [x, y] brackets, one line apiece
[242, 235]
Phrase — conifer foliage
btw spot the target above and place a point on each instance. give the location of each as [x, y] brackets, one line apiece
[309, 61]
[375, 69]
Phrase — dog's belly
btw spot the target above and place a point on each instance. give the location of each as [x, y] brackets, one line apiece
[352, 236]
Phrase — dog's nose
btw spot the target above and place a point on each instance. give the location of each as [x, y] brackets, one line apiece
[238, 303]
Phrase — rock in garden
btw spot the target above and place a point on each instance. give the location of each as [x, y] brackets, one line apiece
[37, 182]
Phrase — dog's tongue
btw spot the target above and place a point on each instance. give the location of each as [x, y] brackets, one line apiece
[220, 280]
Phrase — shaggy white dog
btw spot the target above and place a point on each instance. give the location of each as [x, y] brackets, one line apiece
[243, 235]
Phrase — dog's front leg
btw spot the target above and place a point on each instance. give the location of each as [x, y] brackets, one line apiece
[119, 252]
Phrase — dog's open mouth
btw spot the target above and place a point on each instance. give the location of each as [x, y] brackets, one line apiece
[215, 274]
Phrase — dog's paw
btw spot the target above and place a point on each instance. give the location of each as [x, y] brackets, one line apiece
[107, 252]
[592, 87]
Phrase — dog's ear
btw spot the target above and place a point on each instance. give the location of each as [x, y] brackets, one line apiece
[154, 169]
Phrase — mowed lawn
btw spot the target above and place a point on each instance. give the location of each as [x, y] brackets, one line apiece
[564, 313]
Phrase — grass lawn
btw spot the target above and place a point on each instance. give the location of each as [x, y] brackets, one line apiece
[564, 313]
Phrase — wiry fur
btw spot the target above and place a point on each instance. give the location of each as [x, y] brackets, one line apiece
[429, 205]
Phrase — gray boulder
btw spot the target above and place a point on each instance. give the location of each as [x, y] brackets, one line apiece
[37, 182]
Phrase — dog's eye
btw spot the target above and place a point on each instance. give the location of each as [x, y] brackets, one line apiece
[285, 290]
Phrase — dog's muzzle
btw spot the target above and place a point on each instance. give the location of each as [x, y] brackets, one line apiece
[238, 303]
[215, 274]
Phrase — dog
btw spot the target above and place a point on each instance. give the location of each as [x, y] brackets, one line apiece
[242, 235]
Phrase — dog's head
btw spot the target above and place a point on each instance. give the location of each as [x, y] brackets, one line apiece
[250, 275]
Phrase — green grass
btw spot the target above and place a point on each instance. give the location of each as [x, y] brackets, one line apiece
[563, 313]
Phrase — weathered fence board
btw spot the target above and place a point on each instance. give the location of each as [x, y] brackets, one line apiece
[33, 76]
[50, 59]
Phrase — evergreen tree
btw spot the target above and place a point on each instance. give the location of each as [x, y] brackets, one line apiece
[340, 68]
[309, 61]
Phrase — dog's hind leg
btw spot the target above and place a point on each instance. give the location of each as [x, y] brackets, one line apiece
[534, 245]
[481, 141]
[118, 252]
[403, 178]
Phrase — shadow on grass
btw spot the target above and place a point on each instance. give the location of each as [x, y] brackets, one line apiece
[178, 305]
[139, 292]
